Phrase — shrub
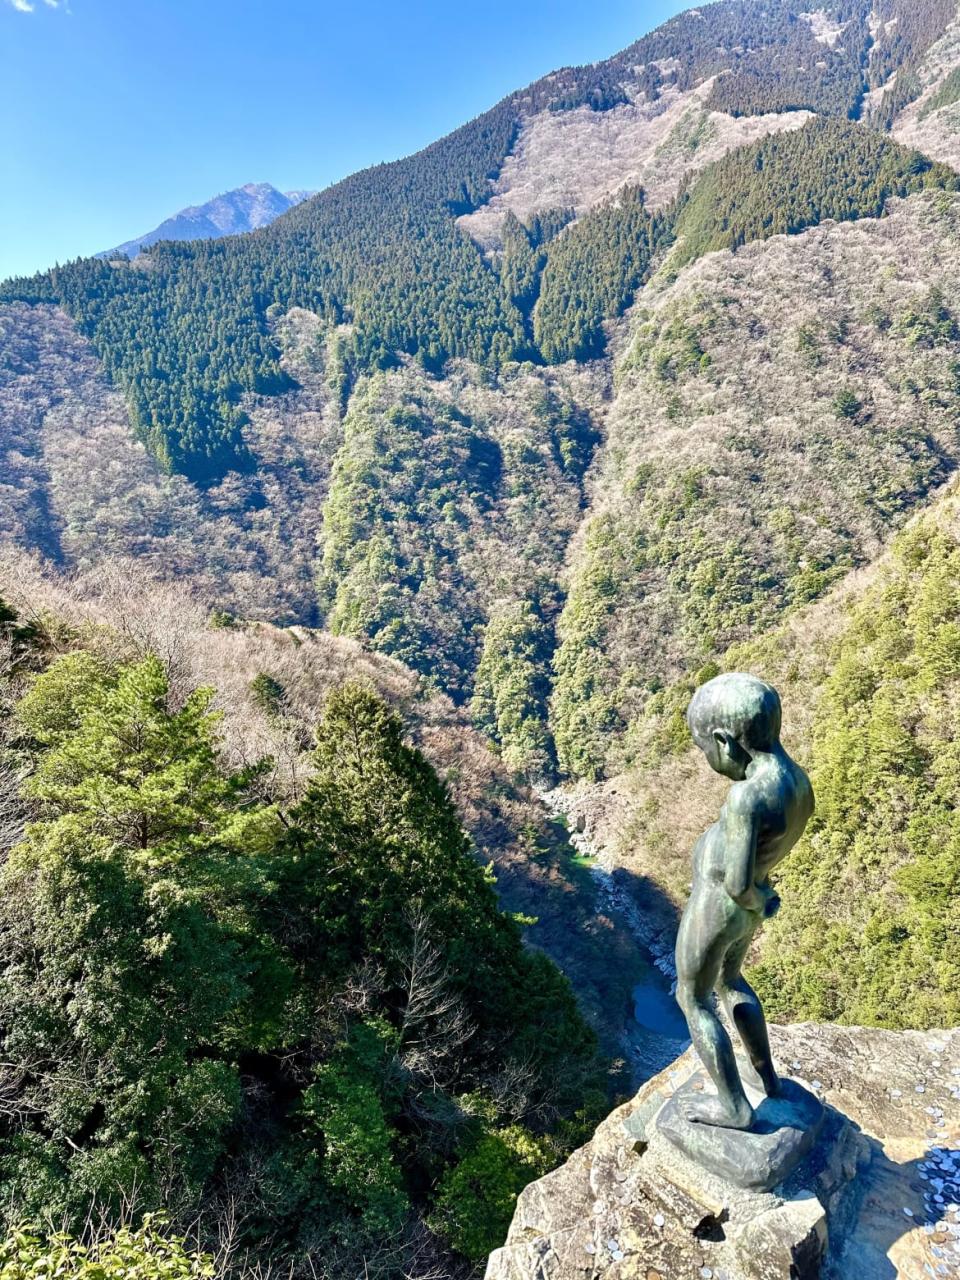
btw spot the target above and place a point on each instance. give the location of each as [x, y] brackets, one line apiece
[145, 1253]
[478, 1195]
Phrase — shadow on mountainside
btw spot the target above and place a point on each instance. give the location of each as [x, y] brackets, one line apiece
[606, 932]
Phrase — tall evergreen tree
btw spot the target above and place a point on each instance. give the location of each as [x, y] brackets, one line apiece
[129, 967]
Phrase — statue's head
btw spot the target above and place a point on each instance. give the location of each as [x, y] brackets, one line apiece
[731, 717]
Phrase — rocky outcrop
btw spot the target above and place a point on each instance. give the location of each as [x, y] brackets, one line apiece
[878, 1197]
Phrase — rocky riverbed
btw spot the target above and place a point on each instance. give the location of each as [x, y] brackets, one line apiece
[656, 1032]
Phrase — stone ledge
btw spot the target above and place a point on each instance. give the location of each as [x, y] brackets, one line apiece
[630, 1206]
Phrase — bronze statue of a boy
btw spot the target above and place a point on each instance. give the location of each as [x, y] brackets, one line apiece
[735, 721]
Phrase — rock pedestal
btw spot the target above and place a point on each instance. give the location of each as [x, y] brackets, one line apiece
[855, 1203]
[785, 1129]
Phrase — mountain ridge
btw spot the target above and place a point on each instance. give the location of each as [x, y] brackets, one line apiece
[347, 254]
[317, 411]
[234, 212]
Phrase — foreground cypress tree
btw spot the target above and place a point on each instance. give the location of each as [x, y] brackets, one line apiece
[377, 846]
[129, 965]
[325, 1008]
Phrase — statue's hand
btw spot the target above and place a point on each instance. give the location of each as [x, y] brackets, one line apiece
[771, 904]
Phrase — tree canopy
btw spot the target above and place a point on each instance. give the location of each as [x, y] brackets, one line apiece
[201, 991]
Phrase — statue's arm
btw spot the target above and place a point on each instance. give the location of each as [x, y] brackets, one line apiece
[740, 830]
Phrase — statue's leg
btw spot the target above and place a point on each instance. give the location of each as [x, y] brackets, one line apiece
[699, 959]
[746, 1013]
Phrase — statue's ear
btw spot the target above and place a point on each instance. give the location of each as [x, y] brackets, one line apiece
[728, 748]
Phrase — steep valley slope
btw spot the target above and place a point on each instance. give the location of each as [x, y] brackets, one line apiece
[869, 931]
[637, 367]
[271, 684]
[779, 411]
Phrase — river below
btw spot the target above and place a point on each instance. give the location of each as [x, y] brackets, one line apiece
[654, 1031]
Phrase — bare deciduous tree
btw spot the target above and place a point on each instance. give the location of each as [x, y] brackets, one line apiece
[435, 1025]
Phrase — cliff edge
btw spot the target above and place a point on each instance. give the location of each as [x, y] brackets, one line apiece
[878, 1198]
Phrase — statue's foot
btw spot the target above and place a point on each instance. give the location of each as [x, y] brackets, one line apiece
[710, 1110]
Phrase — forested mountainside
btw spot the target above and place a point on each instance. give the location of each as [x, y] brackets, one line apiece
[778, 412]
[270, 686]
[231, 213]
[254, 971]
[431, 515]
[622, 373]
[383, 251]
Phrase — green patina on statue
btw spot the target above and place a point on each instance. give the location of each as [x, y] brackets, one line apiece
[735, 721]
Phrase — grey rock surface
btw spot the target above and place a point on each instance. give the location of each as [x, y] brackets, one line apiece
[790, 1239]
[862, 1205]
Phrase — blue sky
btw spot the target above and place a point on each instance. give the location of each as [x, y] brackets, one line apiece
[117, 113]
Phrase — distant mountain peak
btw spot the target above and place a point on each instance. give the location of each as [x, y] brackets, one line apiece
[253, 205]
